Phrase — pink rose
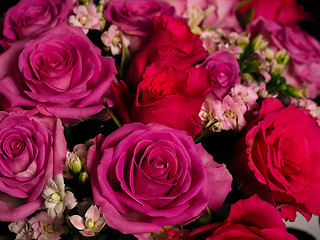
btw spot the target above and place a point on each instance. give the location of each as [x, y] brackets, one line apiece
[32, 17]
[248, 219]
[279, 159]
[224, 70]
[148, 176]
[169, 87]
[286, 12]
[60, 73]
[304, 50]
[33, 149]
[134, 17]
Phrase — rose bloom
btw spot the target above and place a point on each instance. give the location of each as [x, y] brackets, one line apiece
[169, 87]
[279, 159]
[248, 219]
[60, 74]
[134, 17]
[216, 13]
[304, 50]
[286, 12]
[33, 149]
[148, 176]
[32, 17]
[224, 70]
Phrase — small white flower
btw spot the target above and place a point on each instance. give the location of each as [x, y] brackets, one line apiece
[22, 229]
[56, 199]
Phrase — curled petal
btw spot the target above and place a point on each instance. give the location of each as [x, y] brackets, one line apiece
[77, 222]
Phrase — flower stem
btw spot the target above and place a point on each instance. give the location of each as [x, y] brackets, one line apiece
[201, 135]
[115, 119]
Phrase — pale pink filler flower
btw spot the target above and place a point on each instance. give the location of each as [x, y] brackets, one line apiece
[22, 228]
[113, 39]
[93, 222]
[85, 17]
[46, 228]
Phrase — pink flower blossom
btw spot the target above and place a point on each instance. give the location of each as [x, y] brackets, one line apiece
[46, 228]
[92, 224]
[233, 110]
[85, 17]
[227, 114]
[248, 95]
[112, 39]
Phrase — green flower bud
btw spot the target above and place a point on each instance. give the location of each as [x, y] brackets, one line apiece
[277, 69]
[84, 177]
[270, 54]
[280, 55]
[89, 223]
[243, 41]
[100, 8]
[102, 23]
[286, 59]
[75, 165]
[259, 43]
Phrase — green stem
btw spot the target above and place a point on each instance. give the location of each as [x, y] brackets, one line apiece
[201, 135]
[115, 119]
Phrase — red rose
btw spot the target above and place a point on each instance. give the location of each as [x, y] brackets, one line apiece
[169, 88]
[279, 159]
[282, 11]
[248, 219]
[168, 33]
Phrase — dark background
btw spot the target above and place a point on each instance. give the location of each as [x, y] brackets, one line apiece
[313, 27]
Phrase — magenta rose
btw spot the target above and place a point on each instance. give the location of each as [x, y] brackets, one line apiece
[248, 219]
[135, 16]
[286, 12]
[32, 150]
[148, 176]
[32, 17]
[304, 50]
[279, 159]
[60, 73]
[224, 70]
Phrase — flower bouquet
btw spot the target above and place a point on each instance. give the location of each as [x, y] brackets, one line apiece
[157, 119]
